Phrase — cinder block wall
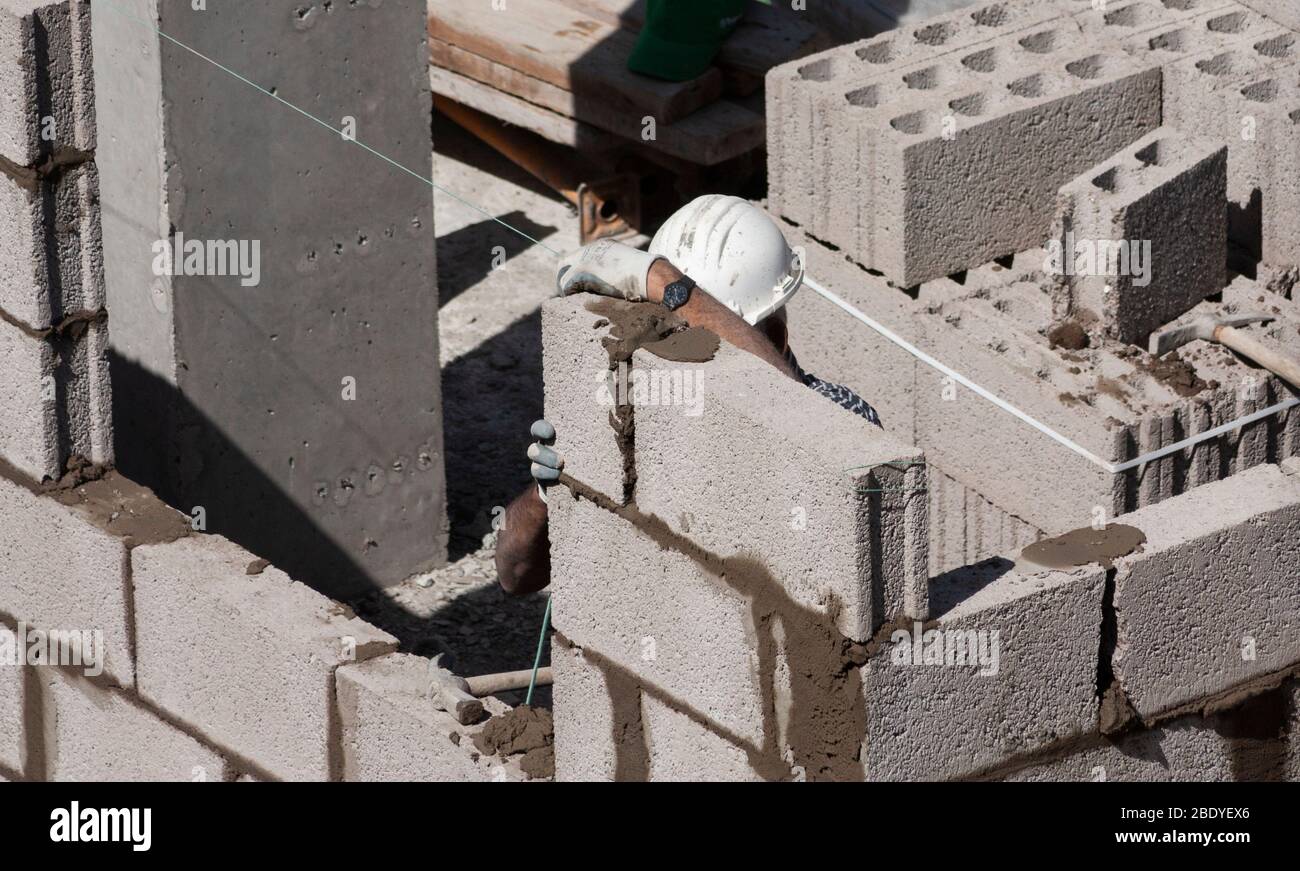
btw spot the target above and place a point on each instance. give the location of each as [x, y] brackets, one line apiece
[200, 661]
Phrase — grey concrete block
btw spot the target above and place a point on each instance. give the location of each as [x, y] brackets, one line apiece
[836, 515]
[1143, 236]
[966, 528]
[269, 643]
[239, 398]
[1238, 537]
[590, 734]
[51, 248]
[65, 572]
[1182, 750]
[680, 750]
[940, 721]
[95, 735]
[1281, 11]
[57, 399]
[392, 732]
[13, 746]
[45, 73]
[577, 400]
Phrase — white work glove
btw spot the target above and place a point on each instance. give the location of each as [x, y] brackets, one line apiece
[608, 268]
[546, 463]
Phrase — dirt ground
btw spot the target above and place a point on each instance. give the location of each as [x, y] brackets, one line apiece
[490, 329]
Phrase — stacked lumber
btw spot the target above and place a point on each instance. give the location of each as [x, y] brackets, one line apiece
[559, 69]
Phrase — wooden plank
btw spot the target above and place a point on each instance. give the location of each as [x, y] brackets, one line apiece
[561, 46]
[710, 136]
[767, 36]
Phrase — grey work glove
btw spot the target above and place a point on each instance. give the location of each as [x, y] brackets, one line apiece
[608, 268]
[546, 463]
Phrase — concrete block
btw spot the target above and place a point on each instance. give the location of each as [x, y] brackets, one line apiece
[13, 747]
[1238, 537]
[966, 528]
[392, 732]
[1182, 750]
[67, 571]
[51, 248]
[276, 643]
[45, 73]
[837, 524]
[940, 719]
[95, 735]
[300, 412]
[591, 428]
[1281, 11]
[1143, 236]
[680, 750]
[593, 741]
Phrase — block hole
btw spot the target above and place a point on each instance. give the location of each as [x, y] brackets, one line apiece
[923, 80]
[1278, 47]
[1151, 154]
[1109, 181]
[1129, 16]
[878, 52]
[936, 34]
[867, 98]
[985, 61]
[1043, 42]
[991, 16]
[912, 123]
[970, 105]
[1295, 117]
[1220, 65]
[1261, 92]
[1029, 87]
[1174, 40]
[1087, 68]
[1233, 22]
[817, 71]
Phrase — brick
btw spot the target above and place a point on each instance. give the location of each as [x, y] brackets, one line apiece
[1237, 537]
[93, 734]
[45, 68]
[51, 248]
[839, 521]
[934, 721]
[365, 503]
[270, 644]
[576, 370]
[1127, 201]
[65, 571]
[391, 731]
[56, 398]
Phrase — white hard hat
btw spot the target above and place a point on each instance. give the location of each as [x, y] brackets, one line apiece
[734, 251]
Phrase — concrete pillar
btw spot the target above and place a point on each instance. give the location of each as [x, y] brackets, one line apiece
[298, 403]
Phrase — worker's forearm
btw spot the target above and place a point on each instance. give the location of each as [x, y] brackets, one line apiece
[702, 310]
[523, 546]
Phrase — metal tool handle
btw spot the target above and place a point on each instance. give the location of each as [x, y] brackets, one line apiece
[1279, 364]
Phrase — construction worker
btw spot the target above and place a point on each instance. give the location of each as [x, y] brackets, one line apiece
[747, 273]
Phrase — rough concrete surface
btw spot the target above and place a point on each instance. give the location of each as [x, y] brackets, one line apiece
[1237, 538]
[269, 643]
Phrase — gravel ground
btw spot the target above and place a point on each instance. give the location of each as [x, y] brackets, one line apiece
[490, 330]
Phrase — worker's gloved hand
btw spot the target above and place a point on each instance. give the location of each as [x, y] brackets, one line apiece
[608, 268]
[546, 463]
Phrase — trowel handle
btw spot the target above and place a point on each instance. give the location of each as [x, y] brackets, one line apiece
[1247, 346]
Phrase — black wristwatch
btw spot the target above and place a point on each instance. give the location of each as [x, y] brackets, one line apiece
[678, 292]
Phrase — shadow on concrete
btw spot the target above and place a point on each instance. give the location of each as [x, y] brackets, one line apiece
[467, 255]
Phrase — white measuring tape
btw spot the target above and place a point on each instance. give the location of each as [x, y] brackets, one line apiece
[1113, 468]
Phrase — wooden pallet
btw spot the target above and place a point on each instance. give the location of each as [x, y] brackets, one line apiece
[559, 68]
